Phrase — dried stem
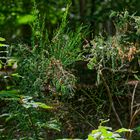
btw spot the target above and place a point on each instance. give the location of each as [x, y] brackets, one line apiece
[133, 115]
[110, 98]
[133, 97]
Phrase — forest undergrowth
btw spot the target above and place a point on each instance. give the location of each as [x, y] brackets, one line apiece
[67, 86]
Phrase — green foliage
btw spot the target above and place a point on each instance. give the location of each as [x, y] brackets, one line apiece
[26, 19]
[114, 53]
[40, 97]
[115, 59]
[19, 15]
[26, 120]
[27, 102]
[43, 64]
[10, 93]
[106, 133]
[47, 60]
[2, 40]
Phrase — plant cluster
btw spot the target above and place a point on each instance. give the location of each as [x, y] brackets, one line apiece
[42, 76]
[116, 60]
[44, 90]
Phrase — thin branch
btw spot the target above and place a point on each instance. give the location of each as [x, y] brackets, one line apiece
[133, 97]
[135, 114]
[110, 98]
[83, 117]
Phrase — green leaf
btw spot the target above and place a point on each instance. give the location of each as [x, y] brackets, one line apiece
[92, 63]
[111, 139]
[94, 131]
[108, 134]
[90, 137]
[42, 105]
[123, 130]
[136, 77]
[26, 19]
[104, 121]
[2, 39]
[0, 65]
[113, 13]
[11, 62]
[10, 94]
[10, 117]
[2, 45]
[104, 131]
[137, 129]
[16, 75]
[52, 124]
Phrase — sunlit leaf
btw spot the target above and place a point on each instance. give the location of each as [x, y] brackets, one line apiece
[42, 105]
[2, 39]
[16, 75]
[95, 131]
[123, 130]
[0, 65]
[90, 137]
[2, 45]
[26, 19]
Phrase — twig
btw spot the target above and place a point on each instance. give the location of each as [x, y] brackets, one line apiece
[118, 70]
[137, 105]
[133, 115]
[83, 117]
[133, 96]
[110, 99]
[137, 112]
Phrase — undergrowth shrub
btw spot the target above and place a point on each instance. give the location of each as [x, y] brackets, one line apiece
[43, 77]
[106, 133]
[116, 61]
[44, 98]
[113, 63]
[47, 61]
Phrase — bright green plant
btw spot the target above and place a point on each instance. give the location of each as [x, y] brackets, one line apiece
[106, 133]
